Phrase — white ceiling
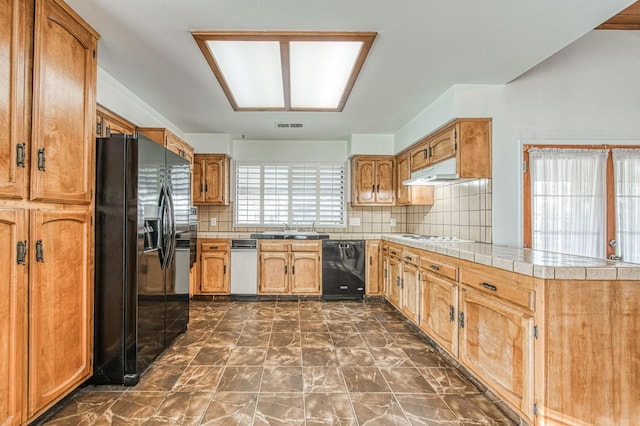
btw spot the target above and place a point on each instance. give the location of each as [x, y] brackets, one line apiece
[423, 47]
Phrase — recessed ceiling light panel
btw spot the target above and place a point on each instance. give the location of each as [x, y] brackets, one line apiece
[285, 71]
[252, 71]
[320, 71]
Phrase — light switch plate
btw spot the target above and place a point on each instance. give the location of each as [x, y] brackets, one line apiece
[393, 221]
[354, 221]
[213, 221]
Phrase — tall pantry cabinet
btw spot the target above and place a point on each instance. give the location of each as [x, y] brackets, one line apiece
[47, 112]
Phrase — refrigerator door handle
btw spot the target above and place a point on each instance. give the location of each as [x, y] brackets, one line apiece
[171, 250]
[161, 226]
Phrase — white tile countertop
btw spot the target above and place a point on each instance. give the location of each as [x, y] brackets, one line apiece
[536, 263]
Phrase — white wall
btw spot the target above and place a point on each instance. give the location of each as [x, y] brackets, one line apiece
[588, 91]
[258, 150]
[218, 143]
[118, 98]
[370, 144]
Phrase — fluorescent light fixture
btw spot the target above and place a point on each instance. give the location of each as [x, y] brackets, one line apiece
[285, 71]
[252, 71]
[320, 71]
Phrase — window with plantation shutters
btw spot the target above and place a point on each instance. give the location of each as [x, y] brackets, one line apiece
[298, 194]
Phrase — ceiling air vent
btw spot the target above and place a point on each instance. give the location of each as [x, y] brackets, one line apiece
[288, 125]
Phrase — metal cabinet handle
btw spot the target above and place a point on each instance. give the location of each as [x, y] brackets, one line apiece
[370, 260]
[293, 270]
[213, 247]
[435, 267]
[285, 270]
[20, 154]
[426, 153]
[409, 258]
[39, 252]
[461, 319]
[21, 257]
[489, 286]
[452, 314]
[41, 160]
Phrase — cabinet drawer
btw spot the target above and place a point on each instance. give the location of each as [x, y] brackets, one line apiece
[273, 246]
[440, 268]
[213, 245]
[516, 290]
[306, 246]
[411, 257]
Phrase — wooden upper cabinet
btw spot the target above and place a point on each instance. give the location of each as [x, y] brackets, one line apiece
[210, 183]
[466, 139]
[373, 180]
[410, 195]
[13, 231]
[419, 155]
[60, 304]
[15, 83]
[108, 123]
[64, 105]
[497, 344]
[169, 140]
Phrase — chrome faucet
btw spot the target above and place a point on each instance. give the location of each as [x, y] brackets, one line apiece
[286, 227]
[313, 227]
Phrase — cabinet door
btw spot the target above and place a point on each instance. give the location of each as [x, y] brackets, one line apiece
[439, 311]
[64, 105]
[60, 304]
[13, 305]
[197, 182]
[404, 173]
[364, 181]
[214, 273]
[373, 284]
[443, 145]
[419, 156]
[305, 273]
[395, 275]
[497, 344]
[385, 188]
[214, 181]
[174, 144]
[409, 287]
[274, 273]
[14, 91]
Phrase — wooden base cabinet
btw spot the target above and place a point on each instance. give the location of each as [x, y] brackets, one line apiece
[410, 285]
[60, 304]
[497, 343]
[439, 311]
[374, 266]
[289, 268]
[13, 309]
[214, 266]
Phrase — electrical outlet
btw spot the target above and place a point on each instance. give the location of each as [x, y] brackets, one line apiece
[214, 221]
[393, 221]
[354, 221]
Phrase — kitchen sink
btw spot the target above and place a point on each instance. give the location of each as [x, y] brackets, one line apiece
[291, 234]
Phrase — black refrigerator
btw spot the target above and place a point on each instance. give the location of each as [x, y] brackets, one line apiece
[143, 199]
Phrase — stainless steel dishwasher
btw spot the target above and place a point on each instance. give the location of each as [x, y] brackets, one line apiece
[244, 269]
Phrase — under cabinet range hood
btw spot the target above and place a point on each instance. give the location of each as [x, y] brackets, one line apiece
[439, 173]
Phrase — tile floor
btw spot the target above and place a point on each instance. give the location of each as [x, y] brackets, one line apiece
[290, 363]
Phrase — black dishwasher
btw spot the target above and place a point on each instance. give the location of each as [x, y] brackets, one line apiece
[343, 269]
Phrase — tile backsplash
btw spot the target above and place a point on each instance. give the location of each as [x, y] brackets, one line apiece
[461, 209]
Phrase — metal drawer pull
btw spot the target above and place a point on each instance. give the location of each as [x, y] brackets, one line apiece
[408, 258]
[489, 286]
[435, 267]
[213, 247]
[39, 251]
[452, 313]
